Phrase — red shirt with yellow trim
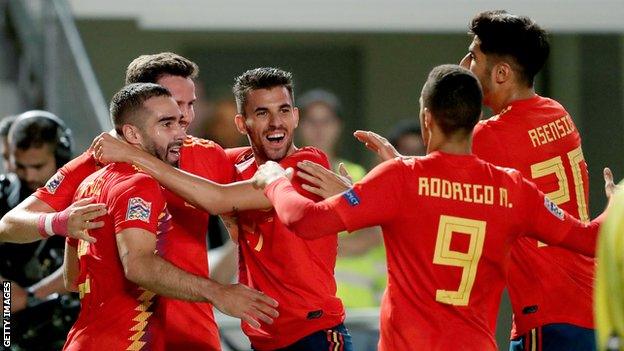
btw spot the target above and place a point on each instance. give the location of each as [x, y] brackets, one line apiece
[115, 313]
[298, 273]
[186, 324]
[537, 137]
[449, 223]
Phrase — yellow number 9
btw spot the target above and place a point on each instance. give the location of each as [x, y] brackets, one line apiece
[469, 260]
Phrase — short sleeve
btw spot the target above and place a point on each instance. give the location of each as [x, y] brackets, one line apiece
[305, 154]
[374, 200]
[136, 202]
[59, 191]
[541, 218]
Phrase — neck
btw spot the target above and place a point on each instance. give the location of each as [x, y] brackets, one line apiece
[507, 96]
[458, 144]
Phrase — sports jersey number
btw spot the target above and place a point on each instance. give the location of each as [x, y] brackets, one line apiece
[468, 261]
[562, 194]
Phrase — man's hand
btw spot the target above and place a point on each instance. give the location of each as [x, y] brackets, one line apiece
[107, 149]
[81, 216]
[378, 144]
[325, 183]
[74, 221]
[240, 301]
[610, 186]
[270, 172]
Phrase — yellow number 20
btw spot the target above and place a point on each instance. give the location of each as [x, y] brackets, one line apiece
[468, 261]
[562, 194]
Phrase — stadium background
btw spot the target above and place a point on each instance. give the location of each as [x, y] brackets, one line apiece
[70, 57]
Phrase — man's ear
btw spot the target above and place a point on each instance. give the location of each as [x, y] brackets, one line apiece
[427, 118]
[502, 72]
[296, 115]
[131, 134]
[239, 120]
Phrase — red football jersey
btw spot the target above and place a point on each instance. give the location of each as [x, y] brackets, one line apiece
[187, 324]
[449, 222]
[116, 313]
[191, 325]
[537, 137]
[298, 273]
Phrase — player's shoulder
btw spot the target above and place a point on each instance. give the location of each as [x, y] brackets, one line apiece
[239, 155]
[504, 174]
[488, 124]
[84, 163]
[309, 153]
[544, 101]
[401, 164]
[192, 142]
[129, 176]
[73, 172]
[198, 146]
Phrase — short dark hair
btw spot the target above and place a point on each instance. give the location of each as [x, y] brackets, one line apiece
[35, 131]
[320, 96]
[453, 95]
[127, 103]
[260, 78]
[150, 68]
[518, 37]
[5, 125]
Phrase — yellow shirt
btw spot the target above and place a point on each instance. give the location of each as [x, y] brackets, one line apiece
[609, 292]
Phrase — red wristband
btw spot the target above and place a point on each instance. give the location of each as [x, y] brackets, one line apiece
[50, 224]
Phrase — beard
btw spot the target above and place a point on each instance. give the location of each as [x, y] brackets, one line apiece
[163, 152]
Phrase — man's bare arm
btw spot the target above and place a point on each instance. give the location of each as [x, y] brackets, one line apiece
[51, 284]
[22, 223]
[70, 268]
[142, 266]
[210, 196]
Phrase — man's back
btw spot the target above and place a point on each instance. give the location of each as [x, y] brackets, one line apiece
[449, 223]
[116, 313]
[537, 137]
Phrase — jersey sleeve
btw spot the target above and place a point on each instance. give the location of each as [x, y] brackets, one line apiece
[59, 191]
[305, 154]
[136, 202]
[206, 159]
[375, 199]
[545, 221]
[370, 202]
[234, 154]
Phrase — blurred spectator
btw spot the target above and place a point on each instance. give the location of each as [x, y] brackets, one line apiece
[38, 144]
[406, 138]
[221, 127]
[5, 125]
[361, 263]
[321, 127]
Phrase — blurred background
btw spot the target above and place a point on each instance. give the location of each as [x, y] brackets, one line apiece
[69, 57]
